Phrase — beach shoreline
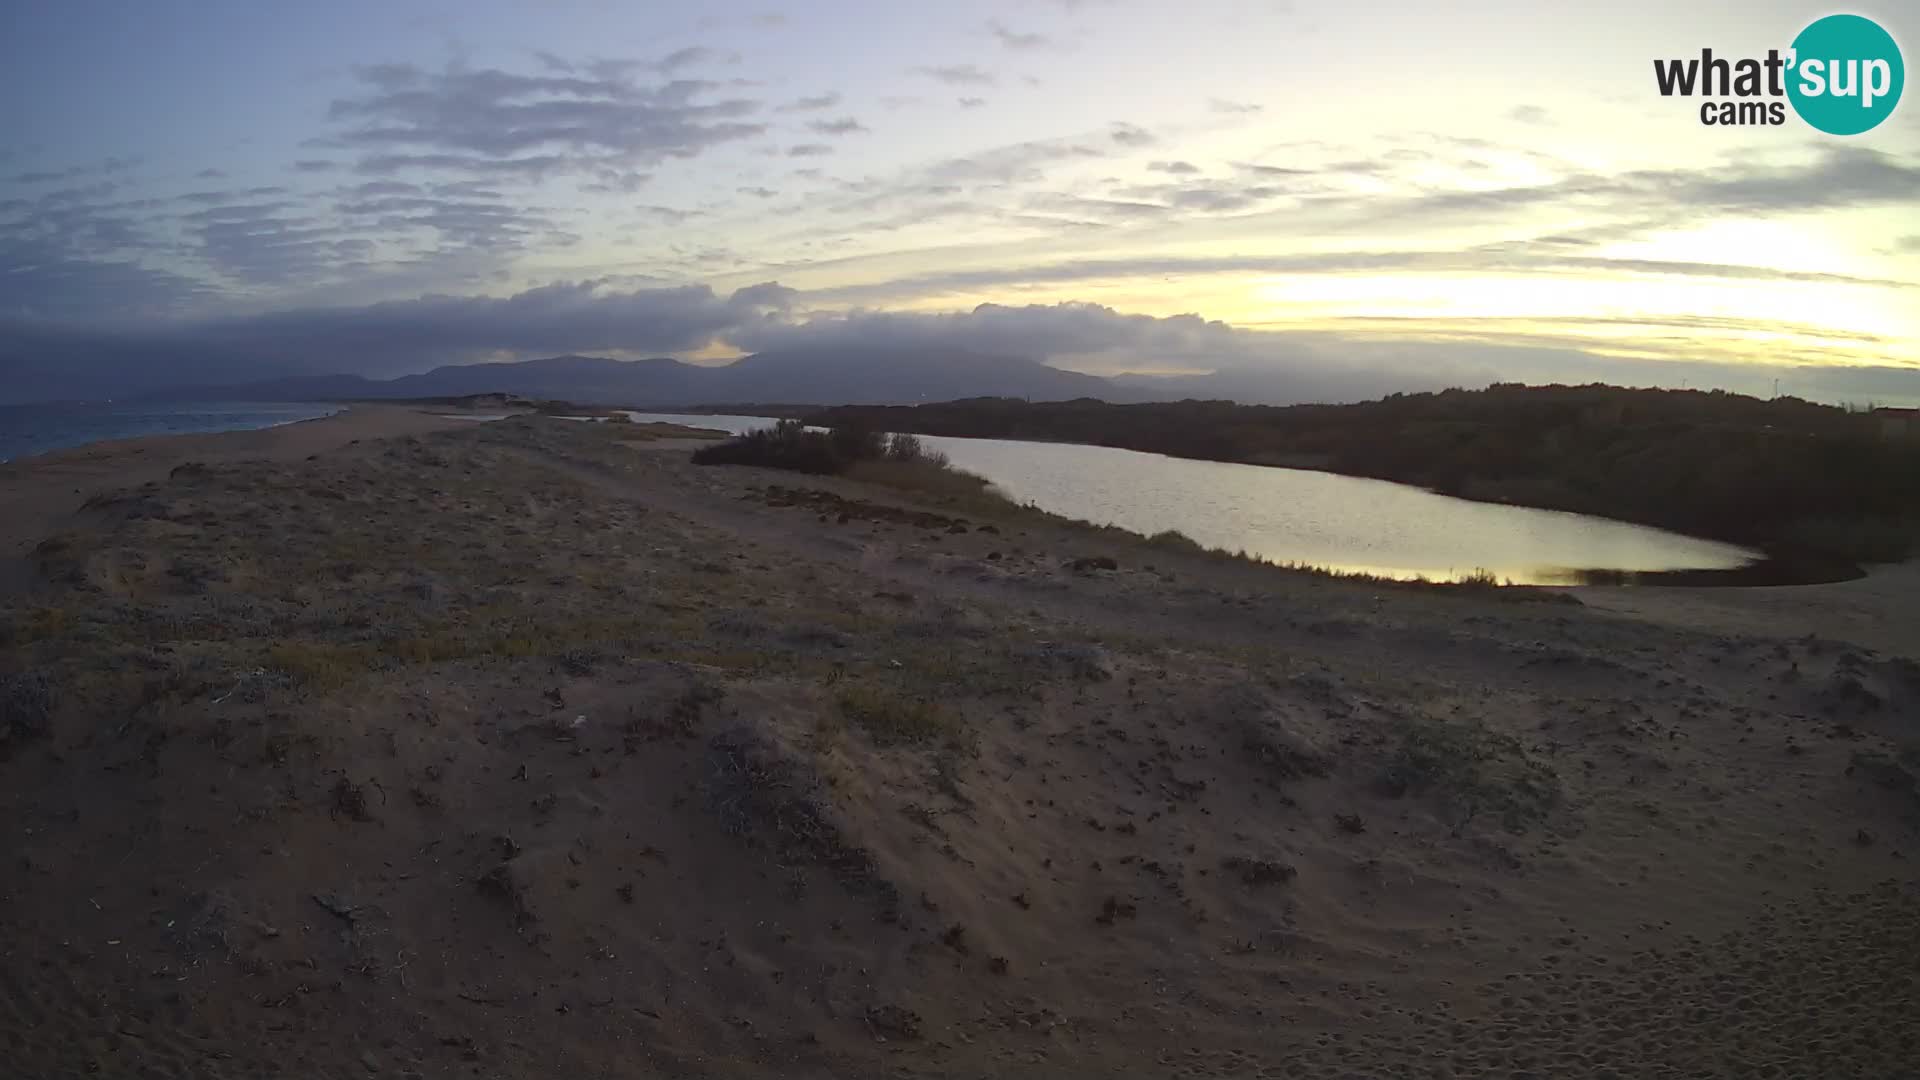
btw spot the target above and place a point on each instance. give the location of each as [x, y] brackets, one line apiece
[39, 491]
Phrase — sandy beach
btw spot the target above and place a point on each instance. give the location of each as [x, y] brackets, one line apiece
[396, 744]
[38, 493]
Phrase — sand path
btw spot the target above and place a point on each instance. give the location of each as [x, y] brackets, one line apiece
[1880, 611]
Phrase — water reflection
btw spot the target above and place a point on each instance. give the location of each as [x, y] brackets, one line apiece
[1342, 523]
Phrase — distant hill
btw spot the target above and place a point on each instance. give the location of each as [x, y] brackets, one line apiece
[799, 376]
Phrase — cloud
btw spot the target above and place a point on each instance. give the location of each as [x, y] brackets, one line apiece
[1002, 165]
[1131, 135]
[79, 253]
[1272, 170]
[810, 104]
[1206, 196]
[1838, 176]
[50, 280]
[72, 252]
[958, 75]
[809, 150]
[846, 125]
[529, 168]
[758, 192]
[384, 187]
[389, 338]
[384, 339]
[1833, 177]
[487, 121]
[687, 57]
[1283, 366]
[971, 102]
[1234, 108]
[107, 167]
[209, 174]
[1320, 262]
[1016, 41]
[1081, 205]
[1530, 114]
[1070, 329]
[1174, 168]
[766, 296]
[270, 249]
[315, 166]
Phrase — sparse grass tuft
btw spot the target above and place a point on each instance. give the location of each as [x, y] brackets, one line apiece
[1472, 771]
[892, 718]
[41, 624]
[320, 666]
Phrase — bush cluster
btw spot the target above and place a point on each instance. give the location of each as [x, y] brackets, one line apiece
[790, 444]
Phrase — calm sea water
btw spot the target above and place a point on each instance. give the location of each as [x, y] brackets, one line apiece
[1323, 519]
[26, 430]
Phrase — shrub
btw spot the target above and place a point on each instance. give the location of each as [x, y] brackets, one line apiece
[904, 447]
[857, 442]
[1472, 770]
[908, 449]
[786, 445]
[1175, 540]
[897, 461]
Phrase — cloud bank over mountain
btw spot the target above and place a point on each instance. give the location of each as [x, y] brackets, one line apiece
[1105, 187]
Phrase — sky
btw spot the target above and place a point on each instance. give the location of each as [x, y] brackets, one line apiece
[1402, 194]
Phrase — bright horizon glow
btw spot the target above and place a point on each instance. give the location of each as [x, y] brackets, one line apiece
[1501, 186]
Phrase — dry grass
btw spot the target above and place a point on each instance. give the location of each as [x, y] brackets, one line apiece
[320, 666]
[891, 718]
[926, 478]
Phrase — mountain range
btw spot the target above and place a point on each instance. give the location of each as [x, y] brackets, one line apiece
[795, 377]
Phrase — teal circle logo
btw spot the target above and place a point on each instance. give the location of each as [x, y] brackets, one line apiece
[1846, 74]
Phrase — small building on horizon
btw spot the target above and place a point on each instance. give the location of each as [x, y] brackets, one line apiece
[1898, 423]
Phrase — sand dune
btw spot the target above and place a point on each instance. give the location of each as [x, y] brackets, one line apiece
[510, 751]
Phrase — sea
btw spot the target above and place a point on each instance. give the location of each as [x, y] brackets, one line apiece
[26, 430]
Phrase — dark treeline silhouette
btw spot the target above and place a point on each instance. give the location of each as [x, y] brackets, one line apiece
[788, 444]
[1787, 474]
